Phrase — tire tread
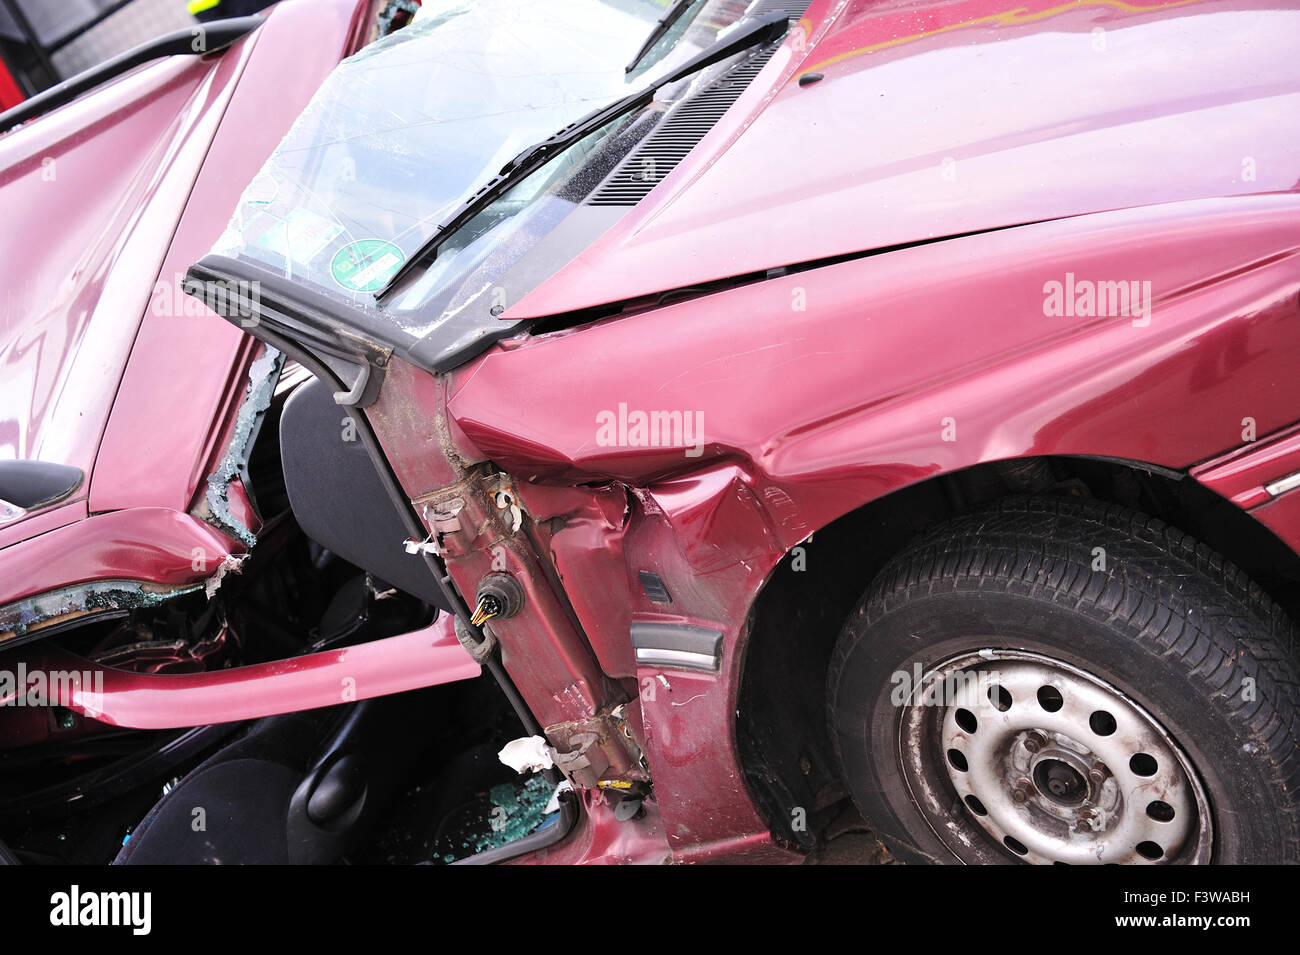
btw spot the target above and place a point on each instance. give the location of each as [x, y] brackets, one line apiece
[1170, 593]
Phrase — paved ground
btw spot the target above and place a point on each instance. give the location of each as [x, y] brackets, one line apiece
[850, 841]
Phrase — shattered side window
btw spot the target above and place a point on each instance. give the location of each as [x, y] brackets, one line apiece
[403, 132]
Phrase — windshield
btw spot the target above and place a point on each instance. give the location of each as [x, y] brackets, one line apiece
[472, 263]
[402, 133]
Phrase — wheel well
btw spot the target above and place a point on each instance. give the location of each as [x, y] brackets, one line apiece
[781, 723]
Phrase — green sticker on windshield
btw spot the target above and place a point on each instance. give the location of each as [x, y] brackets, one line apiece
[365, 265]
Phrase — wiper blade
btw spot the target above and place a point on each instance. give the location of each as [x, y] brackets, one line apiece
[760, 30]
[671, 16]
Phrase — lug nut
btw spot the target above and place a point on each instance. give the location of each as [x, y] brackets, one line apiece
[1022, 791]
[1034, 741]
[1097, 772]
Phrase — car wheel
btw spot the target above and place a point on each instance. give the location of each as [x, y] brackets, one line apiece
[1062, 681]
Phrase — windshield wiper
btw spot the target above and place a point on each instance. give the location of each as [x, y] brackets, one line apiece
[758, 31]
[671, 16]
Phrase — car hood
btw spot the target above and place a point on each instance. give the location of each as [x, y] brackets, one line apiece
[937, 118]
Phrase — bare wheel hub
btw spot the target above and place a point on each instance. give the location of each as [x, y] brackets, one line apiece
[1056, 766]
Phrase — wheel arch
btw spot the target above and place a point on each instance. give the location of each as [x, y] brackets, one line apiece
[780, 723]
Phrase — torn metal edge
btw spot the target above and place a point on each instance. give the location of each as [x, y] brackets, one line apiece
[57, 606]
[230, 564]
[262, 377]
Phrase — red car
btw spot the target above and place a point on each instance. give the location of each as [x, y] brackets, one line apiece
[787, 407]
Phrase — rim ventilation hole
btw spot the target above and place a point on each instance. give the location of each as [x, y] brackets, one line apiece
[966, 720]
[1149, 850]
[1015, 845]
[1000, 698]
[1144, 764]
[1101, 723]
[956, 757]
[976, 806]
[1050, 699]
[1160, 811]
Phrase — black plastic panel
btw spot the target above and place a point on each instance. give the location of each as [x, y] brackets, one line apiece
[339, 498]
[33, 484]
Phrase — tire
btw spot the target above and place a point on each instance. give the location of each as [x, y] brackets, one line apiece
[1116, 692]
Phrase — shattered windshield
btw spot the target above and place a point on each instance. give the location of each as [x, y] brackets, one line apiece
[401, 133]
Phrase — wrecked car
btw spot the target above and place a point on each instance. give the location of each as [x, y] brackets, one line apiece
[600, 431]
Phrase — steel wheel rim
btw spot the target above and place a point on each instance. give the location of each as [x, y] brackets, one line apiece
[1083, 775]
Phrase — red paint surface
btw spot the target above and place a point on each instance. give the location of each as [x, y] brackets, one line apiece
[147, 545]
[600, 839]
[10, 94]
[78, 271]
[936, 119]
[845, 400]
[188, 369]
[1242, 475]
[809, 414]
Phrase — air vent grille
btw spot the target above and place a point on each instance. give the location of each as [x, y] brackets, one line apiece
[795, 8]
[676, 135]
